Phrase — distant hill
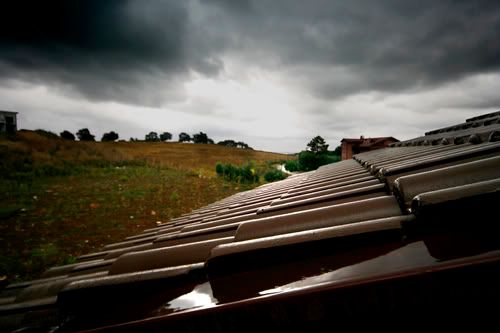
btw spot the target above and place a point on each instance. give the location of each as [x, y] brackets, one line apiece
[61, 199]
[170, 154]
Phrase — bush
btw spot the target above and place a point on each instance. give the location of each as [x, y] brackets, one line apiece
[67, 135]
[201, 138]
[47, 134]
[243, 174]
[231, 172]
[292, 166]
[109, 137]
[247, 174]
[165, 136]
[184, 137]
[311, 161]
[219, 168]
[274, 175]
[84, 135]
[152, 137]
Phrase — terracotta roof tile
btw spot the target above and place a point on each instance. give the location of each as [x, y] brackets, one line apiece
[397, 230]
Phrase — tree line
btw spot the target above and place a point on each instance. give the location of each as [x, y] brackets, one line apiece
[85, 135]
[315, 155]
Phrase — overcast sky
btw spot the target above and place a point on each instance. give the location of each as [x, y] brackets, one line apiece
[270, 73]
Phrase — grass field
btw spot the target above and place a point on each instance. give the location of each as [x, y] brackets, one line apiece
[61, 199]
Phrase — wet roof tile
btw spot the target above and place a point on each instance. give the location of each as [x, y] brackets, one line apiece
[385, 215]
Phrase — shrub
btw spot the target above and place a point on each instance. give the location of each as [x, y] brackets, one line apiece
[111, 136]
[248, 174]
[165, 136]
[85, 135]
[201, 138]
[152, 137]
[219, 169]
[310, 161]
[243, 174]
[231, 172]
[184, 137]
[292, 165]
[47, 134]
[67, 135]
[274, 175]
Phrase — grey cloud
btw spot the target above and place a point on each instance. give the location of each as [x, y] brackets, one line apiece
[140, 52]
[128, 51]
[384, 46]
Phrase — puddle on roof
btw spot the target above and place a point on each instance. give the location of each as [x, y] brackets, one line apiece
[410, 256]
[416, 255]
[293, 274]
[201, 296]
[319, 268]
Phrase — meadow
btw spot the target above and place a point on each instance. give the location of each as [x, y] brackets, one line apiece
[60, 199]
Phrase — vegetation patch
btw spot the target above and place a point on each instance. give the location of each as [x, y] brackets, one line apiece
[62, 198]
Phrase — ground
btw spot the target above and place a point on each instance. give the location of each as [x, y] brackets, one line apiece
[63, 199]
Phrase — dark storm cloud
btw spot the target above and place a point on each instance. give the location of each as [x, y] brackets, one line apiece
[386, 46]
[113, 49]
[127, 50]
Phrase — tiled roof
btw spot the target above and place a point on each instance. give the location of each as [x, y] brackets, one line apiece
[370, 141]
[408, 230]
[483, 128]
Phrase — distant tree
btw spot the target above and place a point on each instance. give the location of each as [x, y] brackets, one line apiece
[67, 135]
[201, 138]
[243, 145]
[338, 150]
[84, 135]
[317, 145]
[47, 134]
[210, 141]
[184, 137]
[165, 136]
[152, 136]
[227, 143]
[232, 143]
[111, 136]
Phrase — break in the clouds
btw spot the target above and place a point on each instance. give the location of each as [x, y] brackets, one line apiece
[271, 73]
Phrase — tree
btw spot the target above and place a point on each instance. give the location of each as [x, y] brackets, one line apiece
[232, 143]
[152, 137]
[111, 136]
[227, 143]
[243, 145]
[67, 135]
[338, 150]
[317, 145]
[201, 138]
[165, 136]
[184, 137]
[84, 135]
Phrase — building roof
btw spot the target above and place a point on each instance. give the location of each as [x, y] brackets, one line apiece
[370, 141]
[476, 129]
[10, 112]
[403, 231]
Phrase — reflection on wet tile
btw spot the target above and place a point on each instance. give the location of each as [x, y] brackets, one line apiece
[407, 257]
[201, 296]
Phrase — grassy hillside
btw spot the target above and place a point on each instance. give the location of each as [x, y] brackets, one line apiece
[60, 199]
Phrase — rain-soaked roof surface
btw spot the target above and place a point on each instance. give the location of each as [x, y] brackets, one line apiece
[407, 231]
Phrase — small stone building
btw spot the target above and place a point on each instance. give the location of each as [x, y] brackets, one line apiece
[8, 121]
[352, 147]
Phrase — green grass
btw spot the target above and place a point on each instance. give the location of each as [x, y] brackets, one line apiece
[51, 220]
[62, 199]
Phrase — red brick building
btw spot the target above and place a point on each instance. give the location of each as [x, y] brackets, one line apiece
[352, 147]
